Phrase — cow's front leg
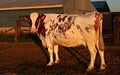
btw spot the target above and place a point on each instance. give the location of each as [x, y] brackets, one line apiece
[57, 60]
[50, 50]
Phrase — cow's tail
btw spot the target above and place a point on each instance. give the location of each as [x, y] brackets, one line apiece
[100, 41]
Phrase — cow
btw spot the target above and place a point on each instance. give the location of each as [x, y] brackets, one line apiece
[69, 30]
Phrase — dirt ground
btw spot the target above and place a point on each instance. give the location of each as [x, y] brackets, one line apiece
[31, 59]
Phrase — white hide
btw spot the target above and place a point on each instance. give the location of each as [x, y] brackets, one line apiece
[76, 35]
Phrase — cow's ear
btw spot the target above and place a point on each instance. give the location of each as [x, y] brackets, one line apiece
[43, 17]
[26, 18]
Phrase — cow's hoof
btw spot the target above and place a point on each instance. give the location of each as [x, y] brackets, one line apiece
[103, 67]
[56, 61]
[90, 69]
[50, 64]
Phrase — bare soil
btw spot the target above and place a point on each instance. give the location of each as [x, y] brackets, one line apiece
[31, 59]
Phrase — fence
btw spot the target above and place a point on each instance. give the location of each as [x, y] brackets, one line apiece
[116, 26]
[111, 26]
[16, 29]
[20, 28]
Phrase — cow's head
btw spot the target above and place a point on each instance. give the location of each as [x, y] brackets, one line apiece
[35, 20]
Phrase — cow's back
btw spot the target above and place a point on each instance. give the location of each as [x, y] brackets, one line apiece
[68, 30]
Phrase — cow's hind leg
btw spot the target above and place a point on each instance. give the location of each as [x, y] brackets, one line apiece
[101, 52]
[93, 52]
[57, 60]
[103, 65]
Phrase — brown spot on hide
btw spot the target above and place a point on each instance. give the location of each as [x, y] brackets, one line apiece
[60, 29]
[98, 18]
[78, 27]
[64, 27]
[55, 36]
[42, 17]
[43, 32]
[41, 28]
[87, 29]
[58, 16]
[72, 32]
[53, 21]
[53, 26]
[69, 19]
[62, 24]
[37, 21]
[60, 19]
[84, 13]
[63, 19]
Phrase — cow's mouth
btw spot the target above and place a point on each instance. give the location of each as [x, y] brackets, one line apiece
[33, 30]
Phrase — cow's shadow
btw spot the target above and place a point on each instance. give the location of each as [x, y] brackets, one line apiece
[77, 55]
[38, 42]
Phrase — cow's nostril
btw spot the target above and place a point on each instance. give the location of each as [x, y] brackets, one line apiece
[33, 30]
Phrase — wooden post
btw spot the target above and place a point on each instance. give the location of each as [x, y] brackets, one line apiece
[116, 29]
[17, 30]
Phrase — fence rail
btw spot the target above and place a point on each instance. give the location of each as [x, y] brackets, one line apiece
[17, 29]
[5, 31]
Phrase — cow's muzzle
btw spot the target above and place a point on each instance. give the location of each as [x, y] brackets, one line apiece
[33, 30]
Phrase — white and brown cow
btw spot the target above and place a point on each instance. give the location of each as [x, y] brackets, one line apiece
[69, 31]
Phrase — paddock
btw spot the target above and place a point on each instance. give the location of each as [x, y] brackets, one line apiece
[31, 58]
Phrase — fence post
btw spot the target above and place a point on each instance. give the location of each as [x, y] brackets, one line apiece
[116, 29]
[17, 30]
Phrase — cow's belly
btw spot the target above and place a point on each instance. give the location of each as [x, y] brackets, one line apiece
[70, 40]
